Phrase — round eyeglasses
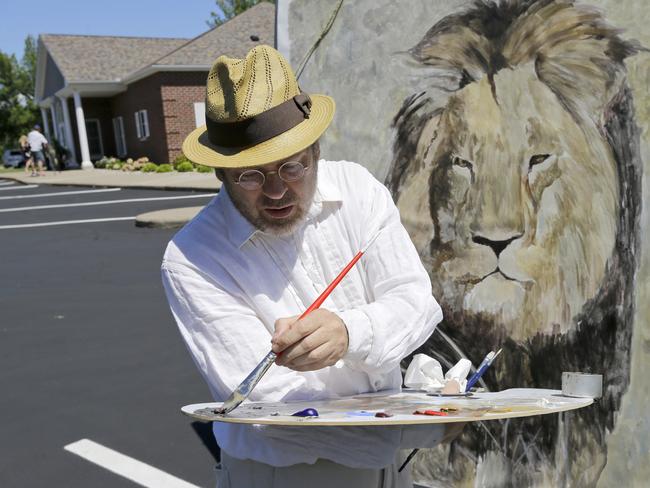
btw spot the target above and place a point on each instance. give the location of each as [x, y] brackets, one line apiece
[254, 179]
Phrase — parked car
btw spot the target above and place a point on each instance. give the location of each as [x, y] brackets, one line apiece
[13, 158]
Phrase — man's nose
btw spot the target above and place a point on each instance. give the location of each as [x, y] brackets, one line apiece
[273, 186]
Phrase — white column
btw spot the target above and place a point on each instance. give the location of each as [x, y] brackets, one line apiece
[46, 125]
[83, 137]
[69, 140]
[55, 121]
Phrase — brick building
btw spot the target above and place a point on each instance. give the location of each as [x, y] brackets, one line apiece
[133, 96]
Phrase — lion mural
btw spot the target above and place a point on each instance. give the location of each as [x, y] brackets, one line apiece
[521, 189]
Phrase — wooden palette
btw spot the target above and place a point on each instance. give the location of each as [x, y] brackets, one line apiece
[361, 409]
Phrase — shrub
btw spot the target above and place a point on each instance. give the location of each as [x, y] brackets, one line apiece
[100, 163]
[180, 160]
[184, 167]
[164, 168]
[131, 167]
[204, 169]
[106, 162]
[149, 168]
[128, 165]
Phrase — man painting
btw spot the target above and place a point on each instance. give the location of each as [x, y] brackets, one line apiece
[283, 226]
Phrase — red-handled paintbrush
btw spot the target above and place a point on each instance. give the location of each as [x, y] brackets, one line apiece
[244, 389]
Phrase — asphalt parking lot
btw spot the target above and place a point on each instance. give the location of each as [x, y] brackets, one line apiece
[93, 370]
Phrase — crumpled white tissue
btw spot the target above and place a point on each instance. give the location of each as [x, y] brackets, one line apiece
[425, 373]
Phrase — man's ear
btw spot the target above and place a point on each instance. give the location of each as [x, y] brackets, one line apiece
[220, 174]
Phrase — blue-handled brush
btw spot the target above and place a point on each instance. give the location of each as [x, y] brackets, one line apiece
[491, 356]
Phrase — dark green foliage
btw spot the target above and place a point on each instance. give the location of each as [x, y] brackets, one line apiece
[18, 112]
[227, 9]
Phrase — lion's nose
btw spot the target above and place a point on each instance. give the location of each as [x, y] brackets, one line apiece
[497, 245]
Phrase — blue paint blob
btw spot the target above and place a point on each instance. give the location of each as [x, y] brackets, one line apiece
[307, 412]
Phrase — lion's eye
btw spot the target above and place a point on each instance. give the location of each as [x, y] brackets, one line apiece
[538, 159]
[463, 163]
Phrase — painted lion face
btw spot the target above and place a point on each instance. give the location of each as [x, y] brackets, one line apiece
[512, 204]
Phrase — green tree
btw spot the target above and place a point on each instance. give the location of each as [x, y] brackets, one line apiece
[29, 59]
[227, 9]
[18, 112]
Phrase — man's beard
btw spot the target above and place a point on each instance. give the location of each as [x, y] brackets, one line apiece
[285, 226]
[278, 227]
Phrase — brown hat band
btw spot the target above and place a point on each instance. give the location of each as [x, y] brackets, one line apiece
[261, 127]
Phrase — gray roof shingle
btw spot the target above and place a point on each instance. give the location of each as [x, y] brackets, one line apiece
[105, 58]
[232, 38]
[84, 58]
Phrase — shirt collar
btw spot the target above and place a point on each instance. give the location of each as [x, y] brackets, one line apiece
[240, 230]
[326, 190]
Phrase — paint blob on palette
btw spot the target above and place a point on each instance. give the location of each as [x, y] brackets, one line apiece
[394, 408]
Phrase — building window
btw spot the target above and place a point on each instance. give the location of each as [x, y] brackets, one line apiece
[142, 124]
[120, 140]
[94, 137]
[199, 113]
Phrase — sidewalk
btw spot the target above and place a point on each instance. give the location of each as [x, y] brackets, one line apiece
[175, 217]
[123, 179]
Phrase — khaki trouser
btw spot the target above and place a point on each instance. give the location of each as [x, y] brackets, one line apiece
[235, 473]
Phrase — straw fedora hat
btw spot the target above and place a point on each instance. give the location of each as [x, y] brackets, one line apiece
[255, 113]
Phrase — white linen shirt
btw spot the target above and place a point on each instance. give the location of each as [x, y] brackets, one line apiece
[36, 140]
[228, 282]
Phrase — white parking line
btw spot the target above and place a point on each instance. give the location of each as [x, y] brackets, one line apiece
[104, 202]
[21, 187]
[64, 222]
[125, 466]
[56, 194]
[6, 183]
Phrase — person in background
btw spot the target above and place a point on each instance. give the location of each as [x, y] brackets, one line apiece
[27, 154]
[37, 144]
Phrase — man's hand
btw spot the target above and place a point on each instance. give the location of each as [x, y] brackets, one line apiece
[317, 341]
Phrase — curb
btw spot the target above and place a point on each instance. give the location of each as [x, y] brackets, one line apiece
[160, 219]
[119, 180]
[167, 219]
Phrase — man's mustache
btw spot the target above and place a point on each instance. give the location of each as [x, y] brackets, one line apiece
[287, 199]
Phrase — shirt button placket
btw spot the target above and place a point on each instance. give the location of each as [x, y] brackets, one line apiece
[308, 264]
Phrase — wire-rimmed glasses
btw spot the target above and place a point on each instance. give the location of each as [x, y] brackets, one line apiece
[254, 179]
